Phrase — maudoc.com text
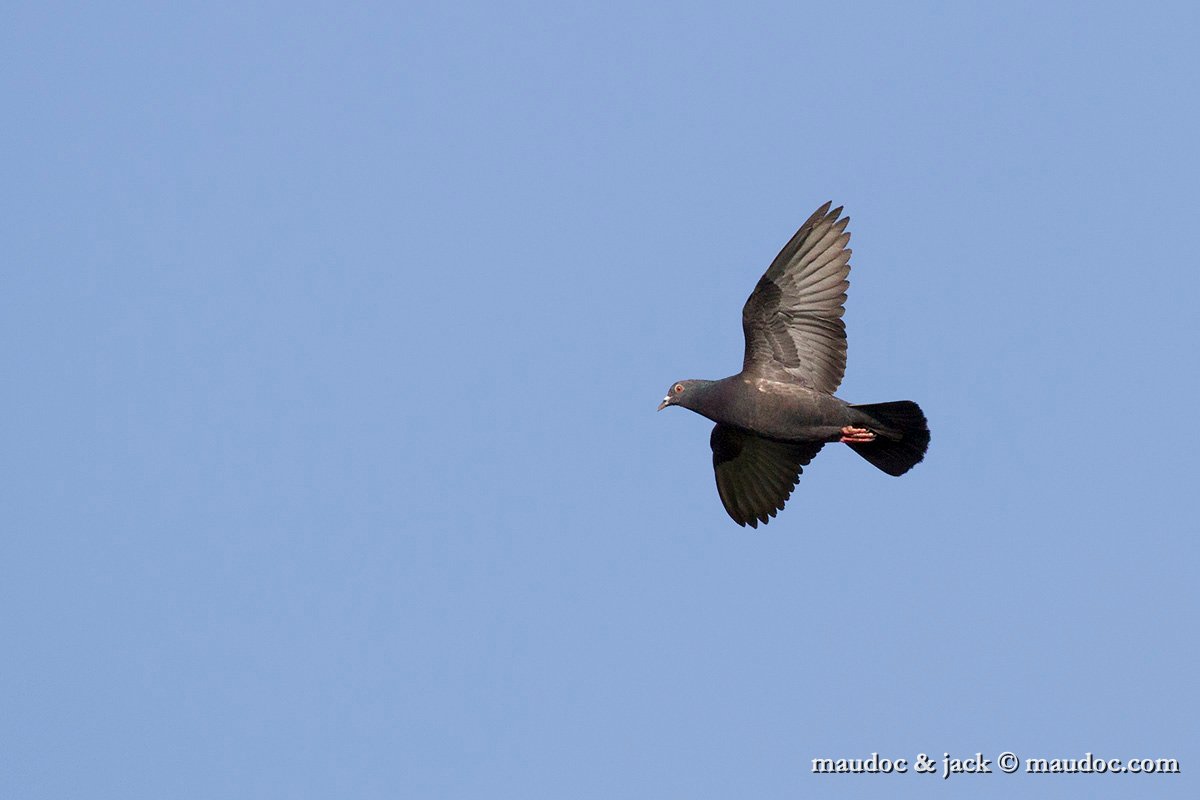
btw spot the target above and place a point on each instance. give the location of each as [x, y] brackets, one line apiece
[978, 764]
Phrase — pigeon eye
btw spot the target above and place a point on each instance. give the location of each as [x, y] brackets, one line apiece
[678, 388]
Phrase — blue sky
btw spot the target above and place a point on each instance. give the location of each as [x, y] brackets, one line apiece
[335, 337]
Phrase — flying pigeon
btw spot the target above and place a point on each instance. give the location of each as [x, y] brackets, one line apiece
[775, 415]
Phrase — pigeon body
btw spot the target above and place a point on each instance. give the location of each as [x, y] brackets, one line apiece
[775, 409]
[775, 415]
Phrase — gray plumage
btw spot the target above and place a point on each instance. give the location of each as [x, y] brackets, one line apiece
[775, 415]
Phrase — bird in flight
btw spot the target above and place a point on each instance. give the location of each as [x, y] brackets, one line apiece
[775, 415]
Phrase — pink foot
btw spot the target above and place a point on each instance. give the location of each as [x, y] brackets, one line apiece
[852, 435]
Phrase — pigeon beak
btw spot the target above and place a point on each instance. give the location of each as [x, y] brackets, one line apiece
[666, 402]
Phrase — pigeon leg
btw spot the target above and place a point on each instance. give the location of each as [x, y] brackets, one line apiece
[852, 435]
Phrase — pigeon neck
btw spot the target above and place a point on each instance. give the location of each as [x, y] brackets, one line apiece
[697, 392]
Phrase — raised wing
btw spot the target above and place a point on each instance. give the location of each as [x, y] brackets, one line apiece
[793, 319]
[755, 476]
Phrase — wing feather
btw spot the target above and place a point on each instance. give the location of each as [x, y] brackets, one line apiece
[755, 476]
[792, 320]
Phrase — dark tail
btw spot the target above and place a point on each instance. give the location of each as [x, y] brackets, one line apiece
[901, 436]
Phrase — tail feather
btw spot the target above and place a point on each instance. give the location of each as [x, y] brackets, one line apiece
[902, 436]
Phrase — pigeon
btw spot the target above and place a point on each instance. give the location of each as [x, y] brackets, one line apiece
[775, 415]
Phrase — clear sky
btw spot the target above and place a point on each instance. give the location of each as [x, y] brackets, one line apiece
[334, 336]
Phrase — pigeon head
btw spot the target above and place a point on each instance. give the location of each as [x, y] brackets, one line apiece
[682, 393]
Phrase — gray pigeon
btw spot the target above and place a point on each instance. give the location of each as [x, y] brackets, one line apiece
[776, 414]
